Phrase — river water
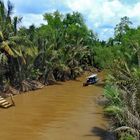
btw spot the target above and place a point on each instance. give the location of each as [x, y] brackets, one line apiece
[67, 111]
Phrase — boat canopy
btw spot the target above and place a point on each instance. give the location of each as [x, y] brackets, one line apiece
[92, 76]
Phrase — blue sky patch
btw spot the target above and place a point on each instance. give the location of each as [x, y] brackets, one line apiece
[100, 15]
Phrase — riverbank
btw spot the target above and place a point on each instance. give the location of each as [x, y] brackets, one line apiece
[67, 111]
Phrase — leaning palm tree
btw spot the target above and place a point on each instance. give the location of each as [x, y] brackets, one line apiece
[5, 18]
[18, 49]
[16, 21]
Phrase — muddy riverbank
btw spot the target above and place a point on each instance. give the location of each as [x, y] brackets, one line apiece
[67, 111]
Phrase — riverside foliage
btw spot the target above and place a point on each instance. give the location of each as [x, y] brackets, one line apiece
[63, 48]
[123, 82]
[58, 50]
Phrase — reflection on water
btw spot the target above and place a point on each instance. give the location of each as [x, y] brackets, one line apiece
[61, 112]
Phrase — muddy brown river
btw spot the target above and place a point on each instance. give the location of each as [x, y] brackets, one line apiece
[67, 111]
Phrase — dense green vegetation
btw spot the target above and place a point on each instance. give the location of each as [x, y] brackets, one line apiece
[62, 49]
[123, 82]
[58, 50]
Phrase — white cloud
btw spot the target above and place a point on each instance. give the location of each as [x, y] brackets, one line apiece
[80, 5]
[105, 12]
[35, 19]
[101, 15]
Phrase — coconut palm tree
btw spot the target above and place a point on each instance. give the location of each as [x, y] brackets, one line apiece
[16, 48]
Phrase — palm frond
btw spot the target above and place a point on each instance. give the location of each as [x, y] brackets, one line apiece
[10, 8]
[4, 46]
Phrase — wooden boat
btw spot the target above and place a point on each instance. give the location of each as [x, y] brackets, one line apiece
[92, 79]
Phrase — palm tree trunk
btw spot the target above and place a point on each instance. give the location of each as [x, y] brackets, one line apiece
[138, 55]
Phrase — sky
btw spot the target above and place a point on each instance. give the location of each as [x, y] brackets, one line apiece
[100, 15]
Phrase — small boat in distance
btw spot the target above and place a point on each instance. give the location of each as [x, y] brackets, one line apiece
[92, 79]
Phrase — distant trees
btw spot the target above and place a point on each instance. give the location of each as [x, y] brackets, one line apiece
[66, 41]
[122, 28]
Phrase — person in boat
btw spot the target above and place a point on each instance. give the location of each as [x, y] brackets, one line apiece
[92, 79]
